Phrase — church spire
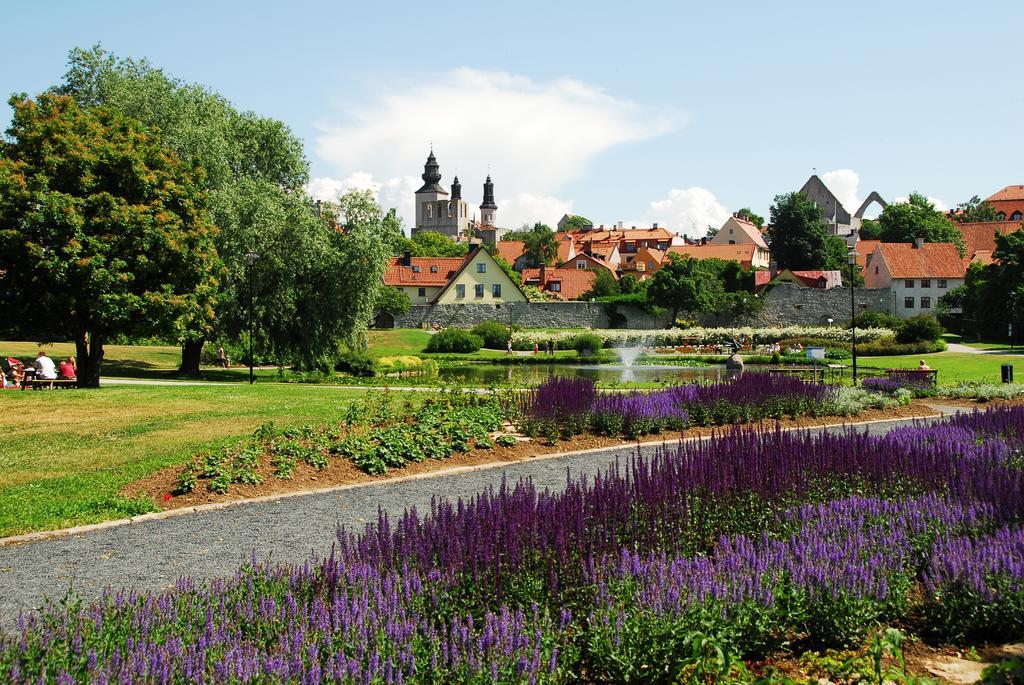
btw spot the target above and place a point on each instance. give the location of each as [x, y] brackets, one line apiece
[456, 189]
[431, 175]
[488, 194]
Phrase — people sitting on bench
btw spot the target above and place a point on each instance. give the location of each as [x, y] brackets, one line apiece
[923, 366]
[46, 370]
[68, 370]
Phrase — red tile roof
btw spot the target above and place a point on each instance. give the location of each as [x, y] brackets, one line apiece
[1008, 194]
[744, 254]
[865, 248]
[398, 274]
[573, 282]
[931, 260]
[981, 235]
[510, 250]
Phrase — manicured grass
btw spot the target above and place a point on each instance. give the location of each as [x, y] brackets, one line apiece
[953, 367]
[67, 453]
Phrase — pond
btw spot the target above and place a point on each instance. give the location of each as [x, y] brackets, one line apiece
[532, 374]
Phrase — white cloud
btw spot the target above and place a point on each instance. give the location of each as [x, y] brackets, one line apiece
[844, 184]
[532, 137]
[688, 211]
[394, 192]
[524, 208]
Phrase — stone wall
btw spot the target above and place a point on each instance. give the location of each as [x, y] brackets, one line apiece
[784, 304]
[530, 315]
[792, 304]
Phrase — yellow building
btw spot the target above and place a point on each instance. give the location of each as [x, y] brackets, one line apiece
[474, 279]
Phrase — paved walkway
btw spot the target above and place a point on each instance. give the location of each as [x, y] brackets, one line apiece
[150, 555]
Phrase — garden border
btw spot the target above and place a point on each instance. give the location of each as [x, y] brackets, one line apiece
[40, 535]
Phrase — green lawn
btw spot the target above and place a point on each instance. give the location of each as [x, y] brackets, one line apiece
[67, 453]
[953, 367]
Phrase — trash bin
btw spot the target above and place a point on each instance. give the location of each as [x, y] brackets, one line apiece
[1007, 370]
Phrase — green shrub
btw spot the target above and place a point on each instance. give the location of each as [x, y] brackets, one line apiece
[587, 344]
[494, 334]
[356, 364]
[878, 320]
[454, 340]
[885, 347]
[920, 328]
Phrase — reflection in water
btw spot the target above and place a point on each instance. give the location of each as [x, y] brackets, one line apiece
[485, 374]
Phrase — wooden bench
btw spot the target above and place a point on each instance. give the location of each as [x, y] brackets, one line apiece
[43, 383]
[919, 377]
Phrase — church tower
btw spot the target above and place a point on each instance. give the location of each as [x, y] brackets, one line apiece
[434, 210]
[488, 208]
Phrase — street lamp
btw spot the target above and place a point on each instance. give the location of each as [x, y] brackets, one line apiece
[853, 313]
[250, 261]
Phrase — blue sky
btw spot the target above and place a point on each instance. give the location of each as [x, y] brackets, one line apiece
[675, 112]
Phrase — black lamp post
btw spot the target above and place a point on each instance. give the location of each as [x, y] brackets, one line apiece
[853, 313]
[250, 261]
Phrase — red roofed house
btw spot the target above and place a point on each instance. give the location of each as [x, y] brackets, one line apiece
[1009, 203]
[585, 262]
[818, 279]
[916, 274]
[737, 231]
[980, 237]
[511, 251]
[421, 278]
[644, 263]
[566, 284]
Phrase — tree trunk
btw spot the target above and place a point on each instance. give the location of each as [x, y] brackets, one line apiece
[190, 353]
[90, 360]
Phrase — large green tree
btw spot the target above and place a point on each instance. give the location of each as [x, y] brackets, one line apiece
[993, 295]
[104, 230]
[575, 222]
[685, 284]
[541, 245]
[904, 222]
[798, 236]
[255, 173]
[431, 244]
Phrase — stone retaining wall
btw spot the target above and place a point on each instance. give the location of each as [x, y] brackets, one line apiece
[784, 304]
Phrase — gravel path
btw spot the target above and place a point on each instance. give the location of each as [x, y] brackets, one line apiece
[153, 554]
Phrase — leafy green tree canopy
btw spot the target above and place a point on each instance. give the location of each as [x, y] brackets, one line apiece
[749, 215]
[903, 222]
[993, 295]
[575, 223]
[104, 230]
[432, 244]
[684, 284]
[604, 285]
[541, 245]
[870, 229]
[797, 236]
[975, 210]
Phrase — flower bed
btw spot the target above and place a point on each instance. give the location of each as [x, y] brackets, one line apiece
[751, 540]
[674, 337]
[563, 407]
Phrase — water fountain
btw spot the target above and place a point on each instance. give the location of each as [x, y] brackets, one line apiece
[628, 355]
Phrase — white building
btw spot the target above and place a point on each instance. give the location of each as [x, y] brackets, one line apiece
[916, 274]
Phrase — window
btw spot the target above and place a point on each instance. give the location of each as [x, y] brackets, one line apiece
[581, 264]
[555, 286]
[941, 283]
[415, 269]
[1001, 216]
[478, 289]
[630, 247]
[650, 265]
[481, 268]
[876, 270]
[908, 283]
[1017, 216]
[908, 303]
[730, 233]
[460, 290]
[430, 209]
[433, 269]
[496, 290]
[662, 246]
[423, 292]
[732, 242]
[926, 303]
[926, 283]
